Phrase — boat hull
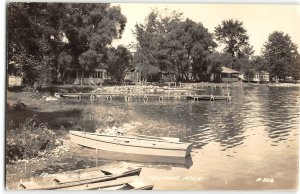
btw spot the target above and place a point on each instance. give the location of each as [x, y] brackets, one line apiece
[138, 146]
[209, 98]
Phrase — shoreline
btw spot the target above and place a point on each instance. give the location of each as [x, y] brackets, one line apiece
[260, 166]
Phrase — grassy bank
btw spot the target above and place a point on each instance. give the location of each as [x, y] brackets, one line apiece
[33, 125]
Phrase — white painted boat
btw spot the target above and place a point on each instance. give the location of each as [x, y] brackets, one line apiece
[132, 144]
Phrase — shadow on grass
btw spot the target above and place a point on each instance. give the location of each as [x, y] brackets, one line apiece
[69, 164]
[56, 120]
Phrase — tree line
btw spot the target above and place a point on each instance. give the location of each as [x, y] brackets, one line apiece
[172, 43]
[50, 39]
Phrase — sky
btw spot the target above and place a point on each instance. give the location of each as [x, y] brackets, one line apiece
[260, 20]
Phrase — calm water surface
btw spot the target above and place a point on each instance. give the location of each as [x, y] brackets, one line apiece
[243, 143]
[269, 114]
[248, 143]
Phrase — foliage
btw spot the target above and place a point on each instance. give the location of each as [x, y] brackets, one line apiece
[119, 63]
[64, 64]
[46, 39]
[173, 45]
[27, 139]
[233, 35]
[19, 106]
[34, 38]
[259, 63]
[89, 28]
[95, 118]
[280, 54]
[216, 61]
[295, 73]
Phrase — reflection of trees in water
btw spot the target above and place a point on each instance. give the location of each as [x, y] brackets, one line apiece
[282, 113]
[218, 122]
[196, 119]
[226, 125]
[253, 110]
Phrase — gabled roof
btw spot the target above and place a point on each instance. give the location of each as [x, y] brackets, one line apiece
[228, 70]
[149, 69]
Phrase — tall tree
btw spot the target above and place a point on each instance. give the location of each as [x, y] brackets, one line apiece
[119, 63]
[89, 29]
[233, 35]
[296, 70]
[280, 54]
[216, 61]
[51, 37]
[173, 44]
[33, 38]
[199, 44]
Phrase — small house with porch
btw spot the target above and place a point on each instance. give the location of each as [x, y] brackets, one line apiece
[88, 77]
[229, 75]
[261, 77]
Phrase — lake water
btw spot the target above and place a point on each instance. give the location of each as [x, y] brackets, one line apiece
[248, 143]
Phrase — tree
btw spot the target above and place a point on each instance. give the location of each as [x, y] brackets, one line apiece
[233, 35]
[244, 62]
[119, 63]
[280, 54]
[216, 61]
[49, 38]
[259, 63]
[153, 39]
[199, 44]
[35, 39]
[174, 45]
[295, 69]
[90, 28]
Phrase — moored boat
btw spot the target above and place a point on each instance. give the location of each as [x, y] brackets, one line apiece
[132, 144]
[208, 97]
[109, 180]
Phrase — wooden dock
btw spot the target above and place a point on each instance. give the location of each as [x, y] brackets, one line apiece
[142, 96]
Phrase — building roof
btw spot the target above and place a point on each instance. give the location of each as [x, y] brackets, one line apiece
[228, 70]
[149, 69]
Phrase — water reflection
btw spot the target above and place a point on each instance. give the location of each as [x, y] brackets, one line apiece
[270, 115]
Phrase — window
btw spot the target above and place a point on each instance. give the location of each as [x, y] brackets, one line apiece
[98, 74]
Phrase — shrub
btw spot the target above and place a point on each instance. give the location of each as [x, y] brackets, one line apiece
[18, 106]
[27, 139]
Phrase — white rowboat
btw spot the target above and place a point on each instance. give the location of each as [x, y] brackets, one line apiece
[132, 144]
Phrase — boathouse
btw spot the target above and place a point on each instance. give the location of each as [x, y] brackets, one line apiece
[229, 75]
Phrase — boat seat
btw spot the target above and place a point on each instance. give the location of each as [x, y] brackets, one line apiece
[29, 185]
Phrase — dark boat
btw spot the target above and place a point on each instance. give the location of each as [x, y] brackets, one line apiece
[208, 97]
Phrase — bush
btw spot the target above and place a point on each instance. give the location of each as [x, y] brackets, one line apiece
[28, 139]
[19, 106]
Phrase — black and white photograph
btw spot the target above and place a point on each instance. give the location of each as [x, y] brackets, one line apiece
[152, 96]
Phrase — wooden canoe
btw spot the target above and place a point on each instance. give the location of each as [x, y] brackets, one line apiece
[78, 183]
[132, 144]
[123, 183]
